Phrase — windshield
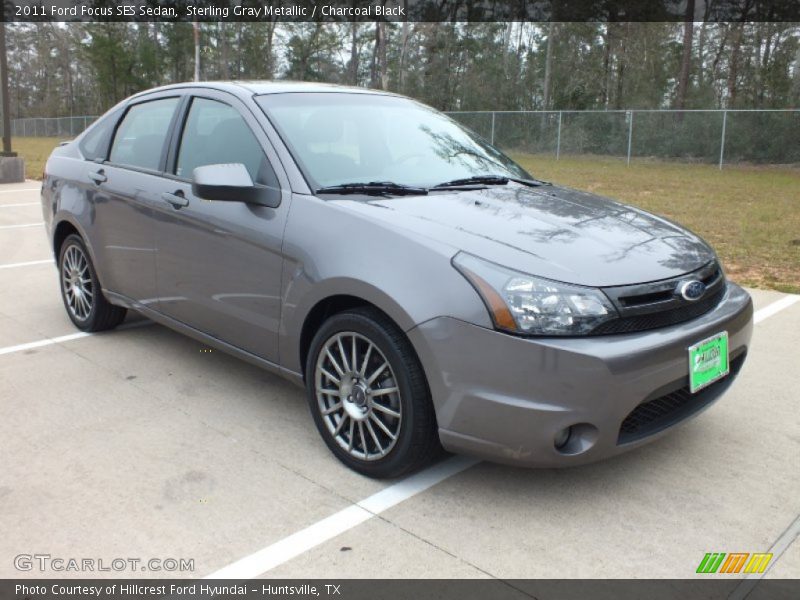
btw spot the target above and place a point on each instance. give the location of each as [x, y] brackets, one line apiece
[340, 138]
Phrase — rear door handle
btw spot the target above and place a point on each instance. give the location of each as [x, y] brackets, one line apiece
[98, 176]
[178, 200]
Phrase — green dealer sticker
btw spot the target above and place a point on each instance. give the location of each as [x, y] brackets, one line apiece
[708, 361]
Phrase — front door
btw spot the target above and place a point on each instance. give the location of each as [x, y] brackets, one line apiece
[219, 262]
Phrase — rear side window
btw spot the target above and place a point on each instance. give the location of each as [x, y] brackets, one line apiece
[140, 136]
[94, 144]
[216, 133]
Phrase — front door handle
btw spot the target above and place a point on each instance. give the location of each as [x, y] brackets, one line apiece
[98, 176]
[178, 200]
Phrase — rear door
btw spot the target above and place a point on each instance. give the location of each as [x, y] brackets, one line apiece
[130, 183]
[219, 262]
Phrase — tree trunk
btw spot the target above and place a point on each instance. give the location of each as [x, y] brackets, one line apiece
[621, 60]
[270, 61]
[378, 75]
[403, 51]
[354, 53]
[686, 59]
[548, 66]
[733, 68]
[606, 85]
[196, 28]
[223, 50]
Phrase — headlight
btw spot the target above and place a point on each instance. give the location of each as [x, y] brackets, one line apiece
[525, 304]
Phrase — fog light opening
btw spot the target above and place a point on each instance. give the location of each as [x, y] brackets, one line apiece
[562, 437]
[575, 439]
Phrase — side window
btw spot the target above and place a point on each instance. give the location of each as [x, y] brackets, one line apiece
[94, 144]
[141, 134]
[216, 133]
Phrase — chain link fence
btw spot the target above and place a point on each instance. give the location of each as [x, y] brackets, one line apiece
[58, 127]
[713, 136]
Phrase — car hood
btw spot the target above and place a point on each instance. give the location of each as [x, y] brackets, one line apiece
[549, 231]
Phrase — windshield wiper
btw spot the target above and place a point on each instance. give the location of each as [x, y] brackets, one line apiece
[479, 180]
[373, 188]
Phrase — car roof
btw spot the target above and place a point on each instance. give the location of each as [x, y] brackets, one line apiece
[255, 88]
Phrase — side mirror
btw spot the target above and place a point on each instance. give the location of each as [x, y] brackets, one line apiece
[231, 183]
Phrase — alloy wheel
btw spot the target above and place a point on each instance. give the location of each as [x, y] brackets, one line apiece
[76, 281]
[358, 396]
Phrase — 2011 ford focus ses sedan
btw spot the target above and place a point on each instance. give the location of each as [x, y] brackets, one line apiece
[425, 289]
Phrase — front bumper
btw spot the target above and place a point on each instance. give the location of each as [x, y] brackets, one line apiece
[505, 398]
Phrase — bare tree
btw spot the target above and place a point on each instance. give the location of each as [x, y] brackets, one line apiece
[686, 58]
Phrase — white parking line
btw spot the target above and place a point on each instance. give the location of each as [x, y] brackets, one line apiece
[27, 264]
[39, 224]
[312, 536]
[22, 190]
[347, 518]
[19, 204]
[66, 338]
[779, 547]
[775, 307]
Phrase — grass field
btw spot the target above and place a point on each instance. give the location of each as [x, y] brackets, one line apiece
[35, 151]
[751, 215]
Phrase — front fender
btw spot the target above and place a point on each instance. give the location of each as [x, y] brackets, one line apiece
[332, 251]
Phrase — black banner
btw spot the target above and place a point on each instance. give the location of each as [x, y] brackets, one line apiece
[401, 10]
[713, 588]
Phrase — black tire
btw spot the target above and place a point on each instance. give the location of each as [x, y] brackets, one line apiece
[417, 441]
[101, 314]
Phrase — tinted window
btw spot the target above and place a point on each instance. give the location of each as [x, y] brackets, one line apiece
[94, 144]
[141, 135]
[216, 133]
[341, 138]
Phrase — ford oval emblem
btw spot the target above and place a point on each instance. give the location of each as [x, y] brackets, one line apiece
[691, 290]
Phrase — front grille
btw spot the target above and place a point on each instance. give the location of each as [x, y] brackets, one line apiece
[665, 318]
[665, 410]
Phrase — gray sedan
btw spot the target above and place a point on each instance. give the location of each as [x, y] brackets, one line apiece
[426, 290]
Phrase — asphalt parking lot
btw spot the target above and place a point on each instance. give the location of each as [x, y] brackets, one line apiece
[141, 443]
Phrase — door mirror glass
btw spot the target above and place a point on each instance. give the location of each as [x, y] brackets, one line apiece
[232, 183]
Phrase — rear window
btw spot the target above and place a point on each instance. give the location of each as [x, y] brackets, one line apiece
[142, 133]
[94, 143]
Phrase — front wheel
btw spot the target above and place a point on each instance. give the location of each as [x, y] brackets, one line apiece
[369, 396]
[80, 289]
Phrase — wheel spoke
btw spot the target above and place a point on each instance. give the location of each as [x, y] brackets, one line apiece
[353, 358]
[334, 363]
[350, 436]
[331, 377]
[385, 410]
[332, 409]
[330, 392]
[366, 360]
[85, 305]
[343, 354]
[340, 425]
[383, 391]
[377, 373]
[363, 439]
[383, 427]
[374, 437]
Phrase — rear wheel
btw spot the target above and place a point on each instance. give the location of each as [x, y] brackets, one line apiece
[368, 395]
[80, 289]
